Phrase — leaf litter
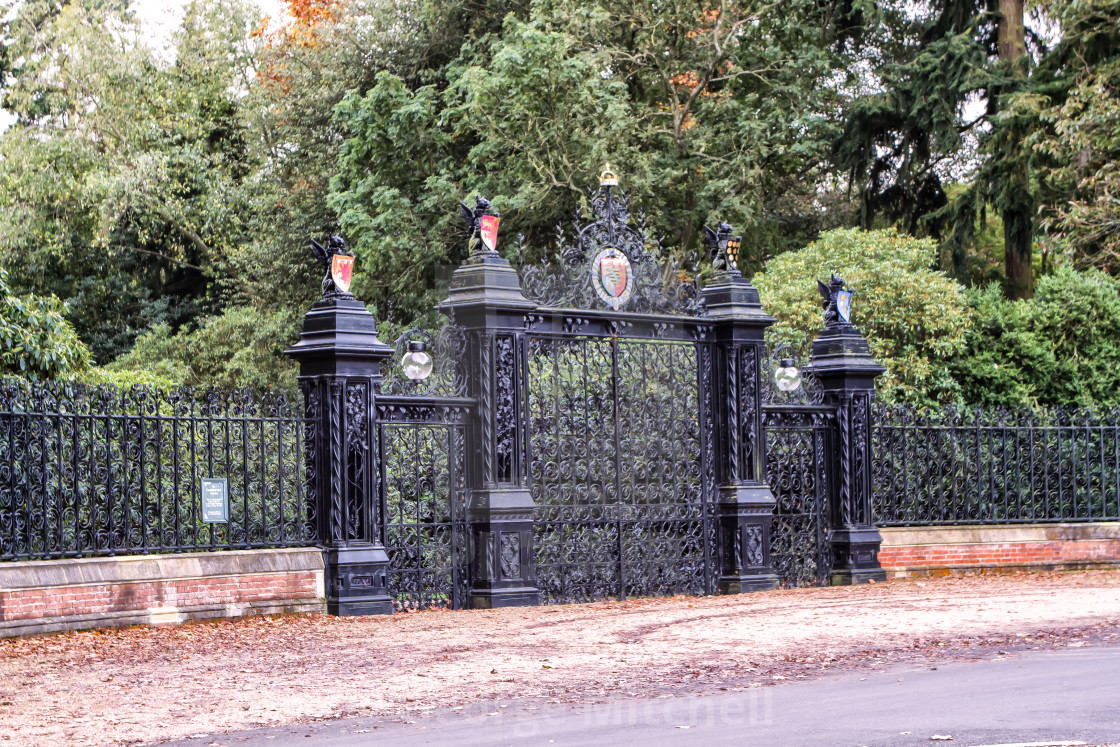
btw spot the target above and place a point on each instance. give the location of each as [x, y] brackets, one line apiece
[144, 685]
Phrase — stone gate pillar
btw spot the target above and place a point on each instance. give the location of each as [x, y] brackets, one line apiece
[745, 503]
[485, 299]
[340, 361]
[841, 360]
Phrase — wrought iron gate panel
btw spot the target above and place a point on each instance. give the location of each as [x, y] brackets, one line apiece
[798, 428]
[423, 505]
[616, 447]
[798, 472]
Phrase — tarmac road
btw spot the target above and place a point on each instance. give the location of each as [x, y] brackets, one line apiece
[1064, 696]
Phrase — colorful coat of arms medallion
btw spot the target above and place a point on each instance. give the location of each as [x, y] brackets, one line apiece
[612, 277]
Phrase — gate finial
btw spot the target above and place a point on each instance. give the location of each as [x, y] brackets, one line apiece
[338, 262]
[608, 178]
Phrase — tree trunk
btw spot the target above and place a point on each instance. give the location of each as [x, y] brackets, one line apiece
[1018, 239]
[1018, 205]
[1012, 32]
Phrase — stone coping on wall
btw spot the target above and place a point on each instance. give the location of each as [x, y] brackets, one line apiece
[53, 595]
[908, 551]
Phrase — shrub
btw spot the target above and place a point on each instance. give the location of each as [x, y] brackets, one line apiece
[241, 347]
[35, 340]
[1061, 347]
[124, 379]
[914, 317]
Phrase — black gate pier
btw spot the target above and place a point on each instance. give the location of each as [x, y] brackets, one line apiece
[842, 362]
[485, 299]
[745, 502]
[340, 359]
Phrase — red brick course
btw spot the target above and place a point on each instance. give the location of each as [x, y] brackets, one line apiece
[34, 603]
[995, 554]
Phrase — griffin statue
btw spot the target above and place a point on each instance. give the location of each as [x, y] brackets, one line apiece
[335, 245]
[830, 293]
[473, 219]
[719, 243]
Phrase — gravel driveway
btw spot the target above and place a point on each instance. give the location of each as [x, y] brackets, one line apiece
[146, 685]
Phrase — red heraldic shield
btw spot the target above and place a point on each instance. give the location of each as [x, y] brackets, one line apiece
[342, 269]
[614, 276]
[489, 231]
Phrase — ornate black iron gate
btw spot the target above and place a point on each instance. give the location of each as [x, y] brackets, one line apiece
[595, 428]
[797, 470]
[423, 504]
[623, 500]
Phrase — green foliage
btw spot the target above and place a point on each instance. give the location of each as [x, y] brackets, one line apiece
[897, 134]
[125, 378]
[125, 182]
[916, 128]
[915, 318]
[1076, 133]
[36, 341]
[174, 191]
[240, 347]
[1061, 347]
[705, 113]
[393, 193]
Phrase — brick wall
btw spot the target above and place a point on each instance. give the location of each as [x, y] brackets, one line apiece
[910, 551]
[53, 595]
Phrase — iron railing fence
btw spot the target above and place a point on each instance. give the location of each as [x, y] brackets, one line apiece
[99, 470]
[987, 466]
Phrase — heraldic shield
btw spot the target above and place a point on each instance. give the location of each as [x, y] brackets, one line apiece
[844, 305]
[342, 270]
[612, 277]
[488, 228]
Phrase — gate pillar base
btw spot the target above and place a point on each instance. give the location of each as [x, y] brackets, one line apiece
[357, 580]
[501, 549]
[856, 556]
[495, 599]
[747, 584]
[746, 514]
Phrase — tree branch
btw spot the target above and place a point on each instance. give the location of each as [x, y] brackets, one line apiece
[195, 240]
[182, 262]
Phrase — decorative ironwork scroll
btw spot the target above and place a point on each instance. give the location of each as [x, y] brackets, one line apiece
[612, 265]
[505, 408]
[798, 444]
[799, 429]
[424, 504]
[748, 404]
[358, 458]
[447, 346]
[810, 392]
